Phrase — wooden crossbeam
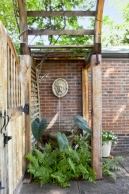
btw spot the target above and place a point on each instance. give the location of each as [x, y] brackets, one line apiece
[60, 32]
[59, 46]
[59, 13]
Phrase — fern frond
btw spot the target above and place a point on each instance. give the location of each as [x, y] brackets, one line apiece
[111, 164]
[72, 164]
[39, 155]
[61, 179]
[109, 173]
[33, 160]
[47, 148]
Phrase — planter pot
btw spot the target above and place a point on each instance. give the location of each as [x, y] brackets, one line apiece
[106, 148]
[53, 139]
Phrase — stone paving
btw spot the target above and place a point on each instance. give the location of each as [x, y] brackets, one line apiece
[104, 186]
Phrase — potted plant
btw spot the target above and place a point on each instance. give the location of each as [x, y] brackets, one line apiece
[108, 138]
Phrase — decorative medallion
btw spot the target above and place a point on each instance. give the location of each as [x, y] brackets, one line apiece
[60, 87]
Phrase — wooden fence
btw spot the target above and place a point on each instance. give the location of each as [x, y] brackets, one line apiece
[12, 152]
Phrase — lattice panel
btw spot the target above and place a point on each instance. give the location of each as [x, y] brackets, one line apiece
[13, 82]
[35, 106]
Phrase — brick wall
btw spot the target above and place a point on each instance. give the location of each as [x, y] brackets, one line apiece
[61, 110]
[115, 96]
[115, 99]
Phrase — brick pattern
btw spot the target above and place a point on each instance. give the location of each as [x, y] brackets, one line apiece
[115, 96]
[115, 99]
[59, 112]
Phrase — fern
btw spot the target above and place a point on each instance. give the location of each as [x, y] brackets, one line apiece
[58, 166]
[111, 164]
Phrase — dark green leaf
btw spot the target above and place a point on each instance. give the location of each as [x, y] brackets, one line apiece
[82, 123]
[38, 127]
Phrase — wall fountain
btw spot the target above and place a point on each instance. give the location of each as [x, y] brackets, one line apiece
[60, 89]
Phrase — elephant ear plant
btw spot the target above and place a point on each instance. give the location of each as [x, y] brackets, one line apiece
[83, 124]
[38, 127]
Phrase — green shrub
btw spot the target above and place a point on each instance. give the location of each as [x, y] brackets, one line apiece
[60, 165]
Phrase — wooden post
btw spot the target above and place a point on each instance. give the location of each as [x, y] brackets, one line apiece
[85, 104]
[25, 61]
[96, 115]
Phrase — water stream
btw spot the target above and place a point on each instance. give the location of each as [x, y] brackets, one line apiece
[59, 113]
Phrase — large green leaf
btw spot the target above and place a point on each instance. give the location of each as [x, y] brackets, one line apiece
[62, 141]
[82, 123]
[38, 127]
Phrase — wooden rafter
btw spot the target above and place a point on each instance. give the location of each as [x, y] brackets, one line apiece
[59, 46]
[60, 32]
[96, 32]
[59, 13]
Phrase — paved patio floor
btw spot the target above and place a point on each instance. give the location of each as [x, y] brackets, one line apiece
[104, 186]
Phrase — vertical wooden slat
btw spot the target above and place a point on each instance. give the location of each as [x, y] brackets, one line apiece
[11, 69]
[19, 92]
[8, 75]
[37, 80]
[16, 93]
[96, 109]
[14, 81]
[9, 79]
[85, 104]
[20, 100]
[11, 157]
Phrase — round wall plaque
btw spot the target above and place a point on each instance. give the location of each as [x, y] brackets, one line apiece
[60, 87]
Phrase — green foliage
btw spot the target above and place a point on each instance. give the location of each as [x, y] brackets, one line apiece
[110, 165]
[82, 124]
[59, 22]
[38, 127]
[7, 16]
[58, 167]
[112, 34]
[62, 141]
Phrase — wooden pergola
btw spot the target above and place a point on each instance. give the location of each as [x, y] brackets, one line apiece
[38, 51]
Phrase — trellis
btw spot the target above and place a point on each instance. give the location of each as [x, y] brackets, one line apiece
[94, 60]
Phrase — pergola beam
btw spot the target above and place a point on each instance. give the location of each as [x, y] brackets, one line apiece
[59, 46]
[23, 20]
[60, 32]
[60, 13]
